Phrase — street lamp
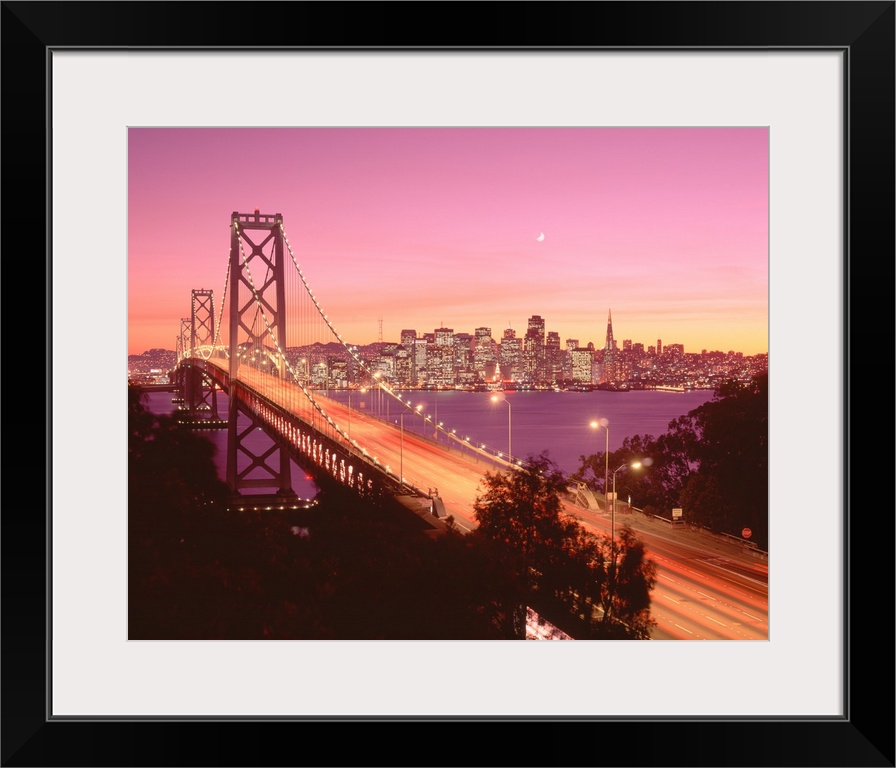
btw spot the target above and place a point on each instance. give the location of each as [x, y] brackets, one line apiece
[349, 413]
[496, 399]
[435, 420]
[379, 389]
[606, 425]
[633, 465]
[401, 445]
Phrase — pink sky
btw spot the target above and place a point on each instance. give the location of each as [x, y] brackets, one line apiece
[424, 227]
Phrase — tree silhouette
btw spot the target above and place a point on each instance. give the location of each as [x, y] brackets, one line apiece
[577, 580]
[359, 570]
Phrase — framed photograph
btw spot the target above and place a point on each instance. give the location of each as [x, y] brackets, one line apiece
[818, 76]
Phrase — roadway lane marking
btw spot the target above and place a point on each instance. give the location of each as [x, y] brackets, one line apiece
[752, 617]
[686, 586]
[707, 616]
[738, 574]
[685, 629]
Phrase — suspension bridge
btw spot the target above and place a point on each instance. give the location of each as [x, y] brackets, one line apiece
[259, 351]
[256, 351]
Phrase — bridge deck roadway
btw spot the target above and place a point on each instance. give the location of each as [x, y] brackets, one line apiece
[425, 463]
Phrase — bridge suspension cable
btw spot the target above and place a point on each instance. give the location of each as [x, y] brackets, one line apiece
[281, 351]
[287, 309]
[349, 349]
[465, 442]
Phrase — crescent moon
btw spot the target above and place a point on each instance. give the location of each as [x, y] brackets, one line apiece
[540, 237]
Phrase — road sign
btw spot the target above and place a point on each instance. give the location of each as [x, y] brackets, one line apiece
[746, 533]
[676, 513]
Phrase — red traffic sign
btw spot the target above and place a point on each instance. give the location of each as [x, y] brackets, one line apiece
[746, 533]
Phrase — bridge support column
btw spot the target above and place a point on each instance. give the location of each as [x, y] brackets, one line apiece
[257, 322]
[264, 464]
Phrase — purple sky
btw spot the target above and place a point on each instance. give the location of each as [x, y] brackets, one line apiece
[424, 227]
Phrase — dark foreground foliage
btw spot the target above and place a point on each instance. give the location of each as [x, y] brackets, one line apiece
[586, 584]
[340, 571]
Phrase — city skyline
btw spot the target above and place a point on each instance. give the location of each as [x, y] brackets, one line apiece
[424, 228]
[447, 357]
[497, 333]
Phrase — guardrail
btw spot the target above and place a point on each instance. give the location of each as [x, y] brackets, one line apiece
[669, 520]
[740, 540]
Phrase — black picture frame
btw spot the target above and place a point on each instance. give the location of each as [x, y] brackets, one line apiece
[864, 736]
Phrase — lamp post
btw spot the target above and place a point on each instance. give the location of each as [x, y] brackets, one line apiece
[379, 389]
[349, 414]
[496, 399]
[401, 446]
[606, 425]
[401, 451]
[633, 465]
[435, 421]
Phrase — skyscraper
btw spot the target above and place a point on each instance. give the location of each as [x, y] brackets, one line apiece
[610, 343]
[464, 371]
[420, 347]
[536, 323]
[532, 352]
[534, 346]
[440, 359]
[484, 354]
[510, 352]
[608, 367]
[553, 358]
[408, 337]
[581, 358]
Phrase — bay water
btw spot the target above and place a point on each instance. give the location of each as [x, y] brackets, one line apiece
[532, 422]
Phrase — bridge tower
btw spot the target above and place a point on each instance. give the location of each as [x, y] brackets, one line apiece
[184, 337]
[200, 392]
[257, 281]
[183, 343]
[202, 319]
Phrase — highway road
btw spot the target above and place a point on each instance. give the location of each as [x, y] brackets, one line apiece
[707, 589]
